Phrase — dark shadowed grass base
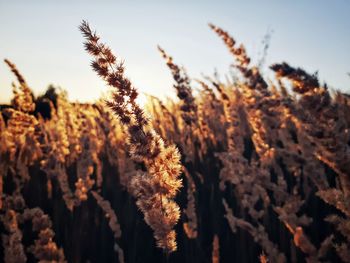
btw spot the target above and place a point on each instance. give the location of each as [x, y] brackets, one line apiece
[85, 235]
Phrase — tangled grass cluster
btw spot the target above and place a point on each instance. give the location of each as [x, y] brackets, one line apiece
[265, 169]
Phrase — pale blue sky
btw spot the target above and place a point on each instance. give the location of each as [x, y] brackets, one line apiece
[42, 38]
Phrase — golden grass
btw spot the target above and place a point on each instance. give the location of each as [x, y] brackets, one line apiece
[258, 162]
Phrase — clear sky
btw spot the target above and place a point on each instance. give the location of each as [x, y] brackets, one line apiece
[42, 39]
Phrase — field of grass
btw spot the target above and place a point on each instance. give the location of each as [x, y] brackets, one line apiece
[247, 170]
